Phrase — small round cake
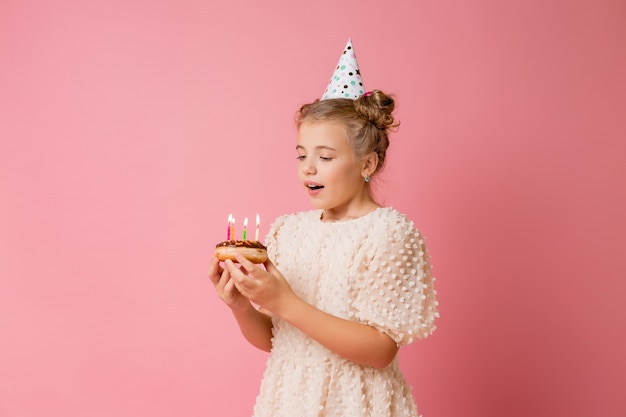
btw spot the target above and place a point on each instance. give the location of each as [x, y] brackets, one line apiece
[253, 250]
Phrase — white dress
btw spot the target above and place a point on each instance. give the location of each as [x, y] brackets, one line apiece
[371, 270]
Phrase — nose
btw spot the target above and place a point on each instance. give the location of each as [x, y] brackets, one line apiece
[308, 167]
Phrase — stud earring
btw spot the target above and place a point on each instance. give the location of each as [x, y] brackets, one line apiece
[367, 178]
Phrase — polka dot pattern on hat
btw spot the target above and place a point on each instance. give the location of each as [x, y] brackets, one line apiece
[346, 80]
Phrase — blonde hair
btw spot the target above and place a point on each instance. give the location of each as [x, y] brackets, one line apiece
[367, 120]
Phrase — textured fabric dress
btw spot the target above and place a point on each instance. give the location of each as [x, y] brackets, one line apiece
[371, 270]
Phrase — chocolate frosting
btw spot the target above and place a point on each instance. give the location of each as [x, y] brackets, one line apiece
[253, 244]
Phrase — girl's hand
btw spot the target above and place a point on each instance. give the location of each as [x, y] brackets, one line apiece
[265, 287]
[225, 287]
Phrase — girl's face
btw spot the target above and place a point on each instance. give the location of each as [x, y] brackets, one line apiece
[328, 169]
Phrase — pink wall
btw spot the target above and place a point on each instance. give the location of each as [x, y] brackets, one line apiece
[125, 127]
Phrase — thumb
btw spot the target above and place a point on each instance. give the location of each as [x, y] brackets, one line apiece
[270, 267]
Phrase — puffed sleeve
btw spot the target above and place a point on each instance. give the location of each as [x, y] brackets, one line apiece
[394, 291]
[271, 239]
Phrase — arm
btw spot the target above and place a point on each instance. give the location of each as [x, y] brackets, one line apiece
[354, 341]
[255, 326]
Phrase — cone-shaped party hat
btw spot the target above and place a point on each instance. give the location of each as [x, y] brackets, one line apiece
[346, 81]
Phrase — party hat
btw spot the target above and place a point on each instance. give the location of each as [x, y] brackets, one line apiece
[346, 81]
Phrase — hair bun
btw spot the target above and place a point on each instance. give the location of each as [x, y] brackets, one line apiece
[377, 107]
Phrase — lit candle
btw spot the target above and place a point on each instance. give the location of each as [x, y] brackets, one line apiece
[232, 229]
[245, 227]
[230, 220]
[256, 234]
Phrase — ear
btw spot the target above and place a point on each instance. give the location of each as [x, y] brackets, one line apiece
[370, 162]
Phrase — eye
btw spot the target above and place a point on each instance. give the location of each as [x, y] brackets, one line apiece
[326, 158]
[300, 157]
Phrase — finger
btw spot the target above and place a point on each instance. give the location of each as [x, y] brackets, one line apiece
[244, 262]
[224, 277]
[273, 270]
[229, 288]
[241, 290]
[270, 267]
[239, 277]
[233, 270]
[214, 270]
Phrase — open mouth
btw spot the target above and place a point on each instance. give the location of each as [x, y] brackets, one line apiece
[314, 187]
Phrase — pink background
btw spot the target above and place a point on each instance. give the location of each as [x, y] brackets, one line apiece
[129, 130]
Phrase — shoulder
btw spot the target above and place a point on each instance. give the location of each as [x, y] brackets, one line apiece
[392, 232]
[393, 223]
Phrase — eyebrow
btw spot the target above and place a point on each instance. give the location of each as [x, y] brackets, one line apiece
[298, 147]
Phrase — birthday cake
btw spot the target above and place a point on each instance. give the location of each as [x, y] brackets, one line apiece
[253, 250]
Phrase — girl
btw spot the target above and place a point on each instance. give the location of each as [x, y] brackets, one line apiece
[347, 283]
